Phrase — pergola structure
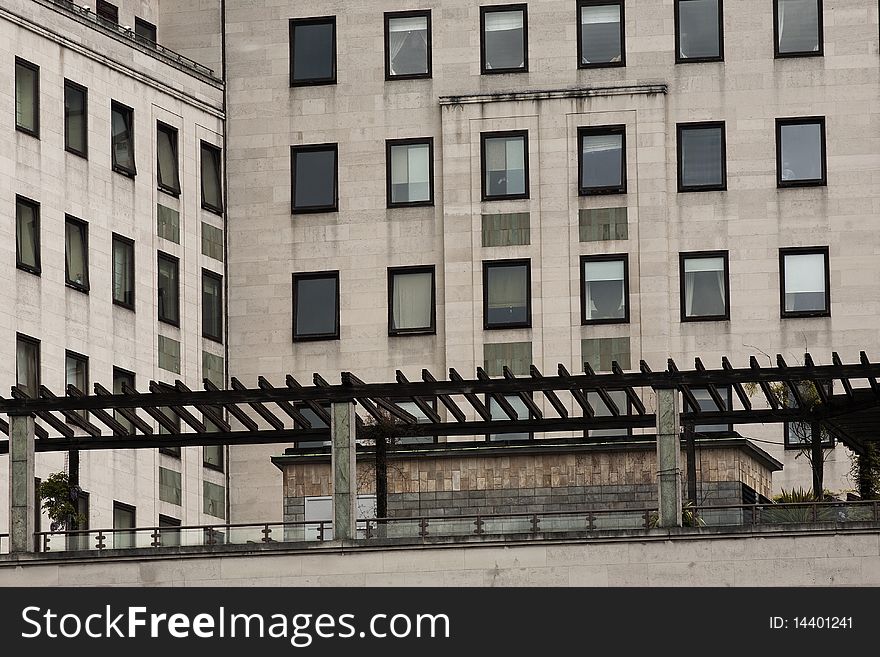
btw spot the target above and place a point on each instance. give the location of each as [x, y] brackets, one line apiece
[663, 400]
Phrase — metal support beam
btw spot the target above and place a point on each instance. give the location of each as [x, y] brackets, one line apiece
[342, 460]
[668, 458]
[22, 496]
[691, 451]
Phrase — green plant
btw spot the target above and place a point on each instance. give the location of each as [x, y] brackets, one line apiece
[59, 501]
[688, 517]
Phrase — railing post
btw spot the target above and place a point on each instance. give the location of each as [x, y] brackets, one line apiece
[535, 522]
[668, 458]
[343, 453]
[423, 526]
[267, 533]
[22, 493]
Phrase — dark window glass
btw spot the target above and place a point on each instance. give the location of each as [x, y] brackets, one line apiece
[314, 178]
[413, 409]
[316, 306]
[27, 97]
[505, 165]
[169, 532]
[27, 364]
[605, 289]
[123, 518]
[123, 271]
[27, 234]
[175, 420]
[704, 286]
[316, 422]
[212, 457]
[212, 306]
[601, 33]
[145, 30]
[408, 45]
[798, 27]
[411, 300]
[498, 413]
[169, 289]
[76, 247]
[801, 151]
[77, 372]
[601, 409]
[701, 157]
[122, 138]
[603, 160]
[506, 294]
[212, 186]
[107, 11]
[169, 177]
[122, 379]
[75, 118]
[698, 30]
[313, 51]
[409, 172]
[805, 282]
[505, 38]
[706, 403]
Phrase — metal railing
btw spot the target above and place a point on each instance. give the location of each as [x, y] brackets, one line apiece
[798, 513]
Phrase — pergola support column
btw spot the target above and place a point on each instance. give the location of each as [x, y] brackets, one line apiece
[22, 496]
[343, 448]
[668, 458]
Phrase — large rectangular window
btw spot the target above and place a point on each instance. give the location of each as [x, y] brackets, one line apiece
[602, 409]
[604, 289]
[123, 271]
[122, 138]
[411, 303]
[313, 178]
[505, 161]
[169, 176]
[504, 43]
[27, 97]
[407, 45]
[145, 31]
[805, 282]
[602, 161]
[76, 251]
[797, 28]
[705, 291]
[124, 516]
[169, 531]
[169, 289]
[212, 185]
[122, 380]
[27, 364]
[410, 172]
[27, 234]
[170, 489]
[800, 152]
[702, 156]
[212, 305]
[76, 130]
[507, 299]
[312, 51]
[76, 367]
[496, 412]
[316, 306]
[602, 36]
[699, 31]
[706, 403]
[107, 11]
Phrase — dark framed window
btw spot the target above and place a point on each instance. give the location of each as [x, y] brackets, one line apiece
[314, 178]
[799, 435]
[76, 374]
[411, 300]
[317, 423]
[312, 51]
[212, 457]
[706, 403]
[421, 418]
[505, 162]
[107, 11]
[504, 39]
[212, 306]
[805, 282]
[123, 271]
[27, 97]
[605, 289]
[602, 37]
[507, 298]
[705, 286]
[167, 165]
[498, 413]
[122, 379]
[798, 28]
[169, 531]
[122, 138]
[699, 31]
[76, 253]
[212, 182]
[169, 289]
[173, 451]
[124, 517]
[601, 409]
[145, 30]
[27, 235]
[702, 157]
[76, 129]
[407, 45]
[602, 160]
[409, 171]
[316, 306]
[800, 152]
[27, 364]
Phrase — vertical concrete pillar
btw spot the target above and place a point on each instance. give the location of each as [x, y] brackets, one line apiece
[668, 458]
[21, 484]
[343, 452]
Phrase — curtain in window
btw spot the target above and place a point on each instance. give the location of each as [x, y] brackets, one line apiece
[600, 34]
[408, 45]
[26, 234]
[411, 301]
[410, 173]
[604, 290]
[123, 283]
[75, 252]
[27, 367]
[123, 147]
[211, 189]
[704, 287]
[805, 282]
[168, 176]
[505, 166]
[507, 294]
[26, 98]
[701, 152]
[504, 40]
[602, 163]
[798, 26]
[801, 151]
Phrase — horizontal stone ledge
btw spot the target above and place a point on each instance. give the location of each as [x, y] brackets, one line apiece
[551, 94]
